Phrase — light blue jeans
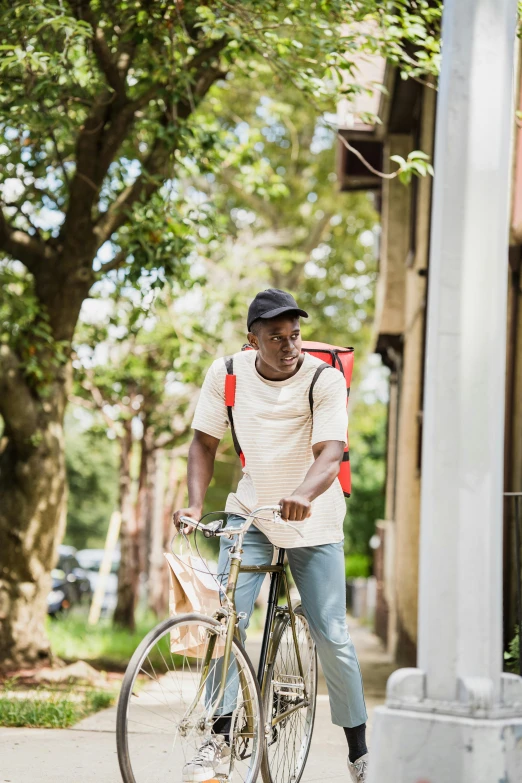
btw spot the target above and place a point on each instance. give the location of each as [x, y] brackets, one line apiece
[318, 572]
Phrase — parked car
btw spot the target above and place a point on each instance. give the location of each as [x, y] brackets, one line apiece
[70, 583]
[90, 560]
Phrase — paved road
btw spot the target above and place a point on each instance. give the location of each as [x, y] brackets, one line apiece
[87, 753]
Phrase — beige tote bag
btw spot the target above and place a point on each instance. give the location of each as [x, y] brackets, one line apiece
[192, 589]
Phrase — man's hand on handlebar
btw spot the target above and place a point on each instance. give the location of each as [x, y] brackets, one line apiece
[295, 508]
[192, 512]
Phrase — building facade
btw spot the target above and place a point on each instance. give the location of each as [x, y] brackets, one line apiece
[407, 113]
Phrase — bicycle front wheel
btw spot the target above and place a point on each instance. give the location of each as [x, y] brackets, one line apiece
[166, 699]
[289, 702]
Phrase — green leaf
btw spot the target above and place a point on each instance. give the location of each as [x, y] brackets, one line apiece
[417, 154]
[398, 159]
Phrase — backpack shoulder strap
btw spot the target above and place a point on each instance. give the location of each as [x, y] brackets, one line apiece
[231, 390]
[317, 373]
[229, 364]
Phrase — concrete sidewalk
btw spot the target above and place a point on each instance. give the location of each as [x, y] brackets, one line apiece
[87, 753]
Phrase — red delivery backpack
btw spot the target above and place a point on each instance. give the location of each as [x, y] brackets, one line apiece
[340, 359]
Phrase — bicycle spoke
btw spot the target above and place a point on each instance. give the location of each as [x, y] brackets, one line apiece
[168, 703]
[288, 744]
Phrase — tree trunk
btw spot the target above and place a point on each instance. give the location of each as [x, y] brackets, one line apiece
[145, 500]
[174, 498]
[32, 513]
[32, 481]
[157, 598]
[128, 574]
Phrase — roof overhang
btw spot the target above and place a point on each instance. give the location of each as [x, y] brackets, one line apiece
[394, 105]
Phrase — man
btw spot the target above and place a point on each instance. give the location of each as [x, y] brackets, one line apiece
[293, 458]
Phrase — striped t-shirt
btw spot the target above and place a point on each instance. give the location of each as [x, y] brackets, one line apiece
[276, 433]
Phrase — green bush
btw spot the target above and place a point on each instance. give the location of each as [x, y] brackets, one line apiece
[357, 565]
[512, 656]
[367, 458]
[92, 478]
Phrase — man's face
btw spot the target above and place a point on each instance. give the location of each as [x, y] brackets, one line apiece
[278, 342]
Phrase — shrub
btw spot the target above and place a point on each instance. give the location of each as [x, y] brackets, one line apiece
[357, 565]
[513, 655]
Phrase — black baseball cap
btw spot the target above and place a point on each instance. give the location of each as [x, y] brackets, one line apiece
[270, 304]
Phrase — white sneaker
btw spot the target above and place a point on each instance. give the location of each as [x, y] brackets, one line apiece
[359, 769]
[205, 763]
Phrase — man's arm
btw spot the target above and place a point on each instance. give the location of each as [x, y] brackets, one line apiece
[200, 467]
[328, 456]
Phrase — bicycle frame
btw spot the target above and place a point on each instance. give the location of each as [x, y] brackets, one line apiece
[268, 647]
[270, 640]
[228, 618]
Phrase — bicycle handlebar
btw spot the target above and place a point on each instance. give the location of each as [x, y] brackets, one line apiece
[212, 529]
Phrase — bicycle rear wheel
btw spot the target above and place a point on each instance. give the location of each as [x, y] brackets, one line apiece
[287, 742]
[165, 700]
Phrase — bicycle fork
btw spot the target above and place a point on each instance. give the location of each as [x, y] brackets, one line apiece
[268, 648]
[231, 632]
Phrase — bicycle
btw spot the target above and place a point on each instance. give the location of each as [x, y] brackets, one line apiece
[274, 711]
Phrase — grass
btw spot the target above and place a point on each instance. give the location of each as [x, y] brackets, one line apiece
[103, 645]
[46, 709]
[99, 700]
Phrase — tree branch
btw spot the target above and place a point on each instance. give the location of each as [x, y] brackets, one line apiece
[155, 168]
[117, 262]
[97, 147]
[128, 43]
[315, 235]
[95, 150]
[85, 186]
[119, 111]
[82, 402]
[96, 394]
[121, 121]
[60, 159]
[112, 424]
[254, 201]
[107, 63]
[206, 54]
[124, 58]
[22, 246]
[165, 440]
[154, 171]
[205, 82]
